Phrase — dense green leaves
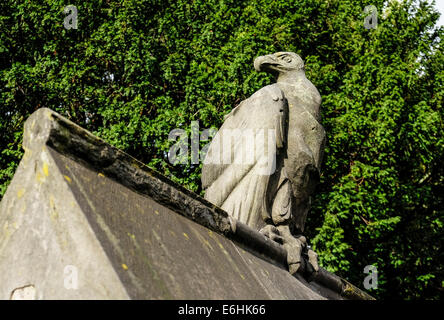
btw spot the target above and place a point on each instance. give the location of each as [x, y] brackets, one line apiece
[136, 69]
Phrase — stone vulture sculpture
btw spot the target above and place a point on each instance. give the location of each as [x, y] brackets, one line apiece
[263, 164]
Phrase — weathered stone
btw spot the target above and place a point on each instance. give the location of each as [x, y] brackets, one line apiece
[289, 111]
[83, 220]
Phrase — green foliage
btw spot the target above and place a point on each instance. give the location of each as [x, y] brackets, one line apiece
[136, 69]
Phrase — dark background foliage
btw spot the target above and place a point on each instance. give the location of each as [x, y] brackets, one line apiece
[136, 69]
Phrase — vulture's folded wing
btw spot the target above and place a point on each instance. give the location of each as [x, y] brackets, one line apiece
[246, 146]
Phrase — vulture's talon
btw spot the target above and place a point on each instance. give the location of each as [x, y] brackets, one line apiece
[272, 233]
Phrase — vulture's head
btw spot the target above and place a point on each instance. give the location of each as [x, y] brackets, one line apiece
[279, 63]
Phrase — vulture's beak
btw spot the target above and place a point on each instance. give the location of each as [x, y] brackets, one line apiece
[266, 63]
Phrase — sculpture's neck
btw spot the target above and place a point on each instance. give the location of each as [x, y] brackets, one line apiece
[291, 77]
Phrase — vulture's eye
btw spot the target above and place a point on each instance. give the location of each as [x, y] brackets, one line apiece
[287, 59]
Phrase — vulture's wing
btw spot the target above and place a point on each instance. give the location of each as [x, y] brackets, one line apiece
[241, 157]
